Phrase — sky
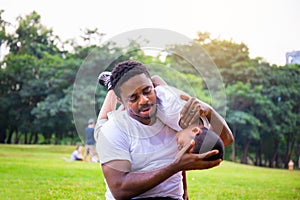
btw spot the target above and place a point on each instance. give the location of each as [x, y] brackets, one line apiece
[269, 28]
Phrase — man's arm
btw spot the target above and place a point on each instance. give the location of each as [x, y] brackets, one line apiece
[121, 181]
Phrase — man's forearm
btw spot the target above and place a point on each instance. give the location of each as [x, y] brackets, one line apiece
[125, 185]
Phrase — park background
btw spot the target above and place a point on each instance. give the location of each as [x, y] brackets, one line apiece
[39, 69]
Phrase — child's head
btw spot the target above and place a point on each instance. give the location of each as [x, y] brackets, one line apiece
[206, 141]
[79, 148]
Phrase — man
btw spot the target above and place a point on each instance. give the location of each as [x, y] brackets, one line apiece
[90, 142]
[141, 159]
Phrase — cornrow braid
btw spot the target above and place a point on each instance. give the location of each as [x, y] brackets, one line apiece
[123, 71]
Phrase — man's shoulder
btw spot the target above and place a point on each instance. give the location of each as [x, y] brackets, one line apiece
[114, 132]
[116, 122]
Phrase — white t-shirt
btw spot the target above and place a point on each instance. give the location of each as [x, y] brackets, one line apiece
[145, 147]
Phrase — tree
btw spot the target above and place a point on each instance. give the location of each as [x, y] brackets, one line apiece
[3, 86]
[231, 58]
[24, 70]
[241, 115]
[281, 88]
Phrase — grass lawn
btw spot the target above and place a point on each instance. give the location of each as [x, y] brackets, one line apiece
[38, 172]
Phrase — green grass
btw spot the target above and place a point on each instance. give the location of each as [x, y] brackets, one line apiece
[237, 181]
[38, 172]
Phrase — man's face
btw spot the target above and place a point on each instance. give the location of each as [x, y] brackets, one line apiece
[139, 98]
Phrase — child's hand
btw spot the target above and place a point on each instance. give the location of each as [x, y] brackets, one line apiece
[192, 110]
[185, 136]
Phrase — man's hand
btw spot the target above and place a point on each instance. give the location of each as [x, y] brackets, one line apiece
[189, 161]
[192, 110]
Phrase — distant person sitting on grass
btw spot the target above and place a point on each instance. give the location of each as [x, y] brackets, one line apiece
[76, 155]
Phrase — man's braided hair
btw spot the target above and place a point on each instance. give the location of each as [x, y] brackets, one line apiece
[123, 71]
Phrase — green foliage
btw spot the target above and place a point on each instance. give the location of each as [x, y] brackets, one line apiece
[190, 83]
[31, 37]
[223, 52]
[260, 102]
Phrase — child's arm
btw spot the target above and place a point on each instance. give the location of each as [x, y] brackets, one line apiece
[109, 104]
[218, 123]
[195, 108]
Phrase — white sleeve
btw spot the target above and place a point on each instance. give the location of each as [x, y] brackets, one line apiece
[100, 123]
[112, 143]
[169, 106]
[98, 126]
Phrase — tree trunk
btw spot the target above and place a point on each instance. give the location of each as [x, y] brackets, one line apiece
[233, 145]
[275, 158]
[9, 138]
[2, 136]
[31, 138]
[275, 154]
[25, 138]
[17, 139]
[298, 155]
[270, 162]
[258, 161]
[233, 151]
[36, 138]
[261, 154]
[289, 151]
[244, 159]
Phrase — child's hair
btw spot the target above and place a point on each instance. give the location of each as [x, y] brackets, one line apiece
[77, 147]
